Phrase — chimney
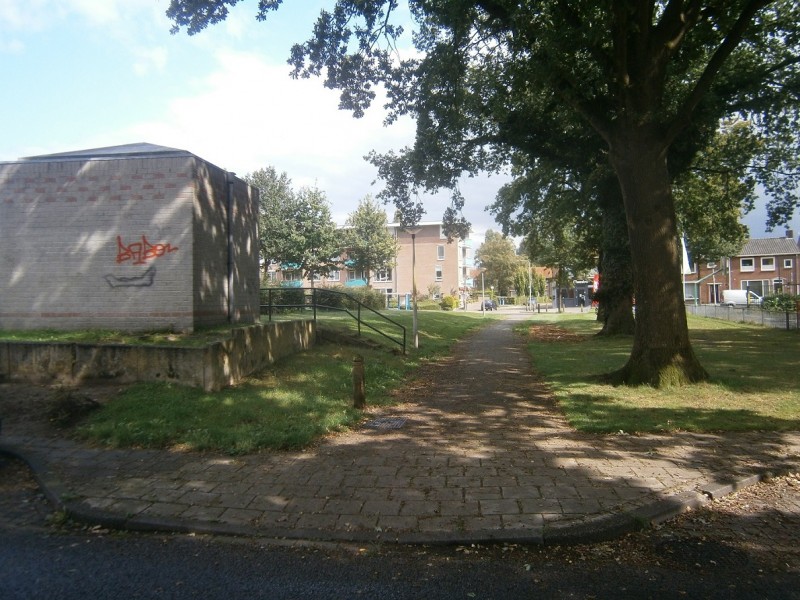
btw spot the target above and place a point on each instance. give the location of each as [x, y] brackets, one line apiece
[790, 234]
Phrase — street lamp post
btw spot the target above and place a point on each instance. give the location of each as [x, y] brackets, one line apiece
[414, 231]
[530, 287]
[483, 294]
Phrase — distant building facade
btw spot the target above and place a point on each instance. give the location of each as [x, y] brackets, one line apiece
[135, 237]
[764, 266]
[446, 266]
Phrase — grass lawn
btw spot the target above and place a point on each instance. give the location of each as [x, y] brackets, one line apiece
[288, 405]
[755, 385]
[197, 338]
[755, 378]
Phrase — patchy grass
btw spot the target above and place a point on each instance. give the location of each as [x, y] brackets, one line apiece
[286, 406]
[755, 379]
[197, 338]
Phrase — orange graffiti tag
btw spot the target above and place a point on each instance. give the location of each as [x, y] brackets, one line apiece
[141, 252]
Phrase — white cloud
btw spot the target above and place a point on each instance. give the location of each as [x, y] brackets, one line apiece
[26, 15]
[248, 114]
[37, 15]
[12, 46]
[149, 59]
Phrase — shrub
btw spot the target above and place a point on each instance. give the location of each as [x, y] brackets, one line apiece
[372, 298]
[449, 303]
[334, 297]
[780, 303]
[428, 305]
[289, 298]
[281, 298]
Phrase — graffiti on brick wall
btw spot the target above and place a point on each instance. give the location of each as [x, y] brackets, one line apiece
[144, 280]
[141, 251]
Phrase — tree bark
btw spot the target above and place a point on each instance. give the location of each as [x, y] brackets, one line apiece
[662, 354]
[614, 296]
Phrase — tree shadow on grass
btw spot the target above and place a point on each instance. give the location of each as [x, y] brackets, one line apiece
[598, 414]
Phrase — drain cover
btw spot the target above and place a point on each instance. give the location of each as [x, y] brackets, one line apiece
[386, 423]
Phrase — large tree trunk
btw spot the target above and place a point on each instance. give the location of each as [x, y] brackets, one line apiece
[615, 308]
[662, 354]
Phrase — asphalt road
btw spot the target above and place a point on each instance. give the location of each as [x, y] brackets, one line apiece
[43, 558]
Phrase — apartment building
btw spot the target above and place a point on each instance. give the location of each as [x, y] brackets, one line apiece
[442, 267]
[764, 266]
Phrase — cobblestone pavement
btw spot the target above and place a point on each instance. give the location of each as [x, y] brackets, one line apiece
[477, 452]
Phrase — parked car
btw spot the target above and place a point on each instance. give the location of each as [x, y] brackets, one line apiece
[489, 305]
[740, 298]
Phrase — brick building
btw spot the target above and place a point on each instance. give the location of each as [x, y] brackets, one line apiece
[134, 237]
[446, 266]
[440, 264]
[764, 266]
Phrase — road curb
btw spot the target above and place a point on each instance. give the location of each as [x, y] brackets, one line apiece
[580, 531]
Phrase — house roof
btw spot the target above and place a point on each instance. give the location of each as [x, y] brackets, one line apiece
[770, 247]
[124, 151]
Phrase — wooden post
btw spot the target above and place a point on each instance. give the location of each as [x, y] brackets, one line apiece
[359, 387]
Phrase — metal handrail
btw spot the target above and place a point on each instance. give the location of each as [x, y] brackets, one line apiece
[315, 304]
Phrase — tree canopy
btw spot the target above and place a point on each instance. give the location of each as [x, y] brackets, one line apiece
[491, 77]
[275, 209]
[369, 244]
[295, 227]
[498, 256]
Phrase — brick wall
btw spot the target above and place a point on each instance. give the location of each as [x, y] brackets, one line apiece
[211, 258]
[110, 243]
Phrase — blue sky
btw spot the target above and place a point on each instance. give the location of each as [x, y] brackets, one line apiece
[89, 73]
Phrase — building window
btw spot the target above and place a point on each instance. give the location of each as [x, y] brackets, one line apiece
[748, 264]
[787, 263]
[438, 272]
[334, 276]
[383, 275]
[440, 252]
[767, 263]
[353, 275]
[757, 286]
[292, 276]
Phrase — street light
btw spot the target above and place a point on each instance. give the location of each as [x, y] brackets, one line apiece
[414, 231]
[483, 293]
[530, 287]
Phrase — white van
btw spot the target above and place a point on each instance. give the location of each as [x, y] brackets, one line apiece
[740, 298]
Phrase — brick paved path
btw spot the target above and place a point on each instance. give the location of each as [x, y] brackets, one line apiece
[483, 454]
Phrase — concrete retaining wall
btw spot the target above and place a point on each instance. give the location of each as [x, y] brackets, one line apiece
[211, 367]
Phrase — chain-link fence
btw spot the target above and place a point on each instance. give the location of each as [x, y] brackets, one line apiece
[757, 315]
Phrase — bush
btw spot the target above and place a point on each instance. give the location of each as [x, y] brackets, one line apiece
[367, 296]
[780, 303]
[283, 298]
[334, 297]
[449, 303]
[428, 305]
